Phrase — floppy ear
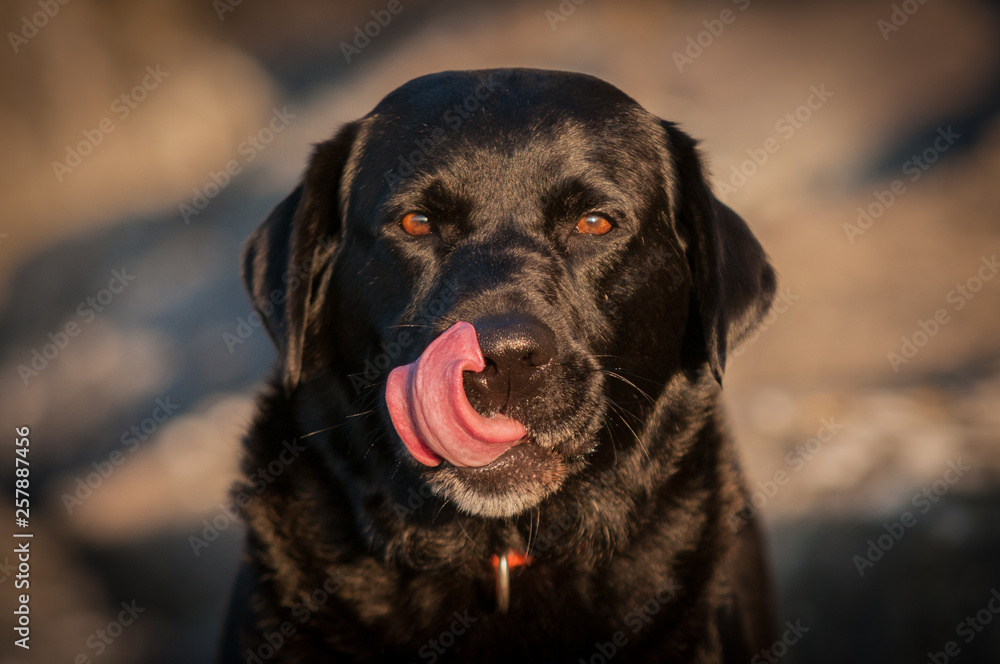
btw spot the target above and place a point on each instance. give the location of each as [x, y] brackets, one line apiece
[733, 282]
[284, 257]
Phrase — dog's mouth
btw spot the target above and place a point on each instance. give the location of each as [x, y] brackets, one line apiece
[489, 465]
[432, 414]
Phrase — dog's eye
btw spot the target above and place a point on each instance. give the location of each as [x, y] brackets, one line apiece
[417, 224]
[593, 224]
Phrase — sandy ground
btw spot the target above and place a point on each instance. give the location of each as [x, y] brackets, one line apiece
[839, 441]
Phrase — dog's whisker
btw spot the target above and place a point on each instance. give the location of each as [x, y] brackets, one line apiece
[608, 372]
[439, 510]
[395, 468]
[318, 431]
[610, 356]
[531, 528]
[636, 376]
[402, 325]
[614, 443]
[617, 410]
[462, 527]
[375, 437]
[538, 527]
[622, 410]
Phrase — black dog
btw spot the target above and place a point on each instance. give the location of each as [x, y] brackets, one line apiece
[503, 302]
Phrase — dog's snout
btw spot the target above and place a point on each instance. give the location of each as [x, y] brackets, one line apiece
[515, 348]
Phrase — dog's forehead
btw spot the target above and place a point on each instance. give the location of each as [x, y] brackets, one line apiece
[482, 108]
[515, 96]
[494, 124]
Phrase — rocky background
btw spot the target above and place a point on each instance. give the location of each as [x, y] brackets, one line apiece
[861, 140]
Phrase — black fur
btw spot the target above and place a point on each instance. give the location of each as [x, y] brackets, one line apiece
[627, 492]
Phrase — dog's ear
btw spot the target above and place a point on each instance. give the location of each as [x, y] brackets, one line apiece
[284, 257]
[733, 282]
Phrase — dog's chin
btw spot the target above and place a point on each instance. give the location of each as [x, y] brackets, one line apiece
[516, 481]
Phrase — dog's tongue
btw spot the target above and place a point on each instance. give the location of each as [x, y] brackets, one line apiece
[433, 416]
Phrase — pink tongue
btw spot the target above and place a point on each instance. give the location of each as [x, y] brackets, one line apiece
[433, 416]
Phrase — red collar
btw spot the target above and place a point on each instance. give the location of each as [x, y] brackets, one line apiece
[502, 565]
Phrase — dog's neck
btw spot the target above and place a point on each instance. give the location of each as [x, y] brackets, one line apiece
[675, 484]
[558, 528]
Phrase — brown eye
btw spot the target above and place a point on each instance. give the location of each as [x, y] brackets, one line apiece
[593, 224]
[417, 224]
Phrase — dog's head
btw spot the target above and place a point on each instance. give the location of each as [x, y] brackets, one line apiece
[520, 255]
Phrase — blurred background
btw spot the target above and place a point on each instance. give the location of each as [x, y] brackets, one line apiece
[143, 141]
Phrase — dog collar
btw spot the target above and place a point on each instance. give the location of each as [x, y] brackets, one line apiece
[501, 573]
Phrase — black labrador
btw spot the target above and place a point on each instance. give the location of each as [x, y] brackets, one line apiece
[503, 302]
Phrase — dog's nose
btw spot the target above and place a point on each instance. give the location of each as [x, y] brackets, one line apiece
[515, 349]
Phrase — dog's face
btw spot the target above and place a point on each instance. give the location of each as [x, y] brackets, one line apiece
[574, 232]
